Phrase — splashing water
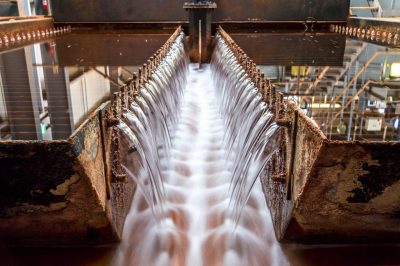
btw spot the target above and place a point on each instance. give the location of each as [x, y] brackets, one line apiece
[203, 138]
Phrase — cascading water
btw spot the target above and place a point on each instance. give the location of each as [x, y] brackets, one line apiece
[202, 136]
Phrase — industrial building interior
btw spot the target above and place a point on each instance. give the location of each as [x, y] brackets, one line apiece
[327, 70]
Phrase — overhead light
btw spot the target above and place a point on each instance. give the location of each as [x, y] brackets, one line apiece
[298, 71]
[394, 70]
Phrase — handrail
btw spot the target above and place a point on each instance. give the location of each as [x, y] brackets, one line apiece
[355, 77]
[375, 7]
[359, 92]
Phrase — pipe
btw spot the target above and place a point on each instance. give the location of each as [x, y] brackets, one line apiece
[290, 181]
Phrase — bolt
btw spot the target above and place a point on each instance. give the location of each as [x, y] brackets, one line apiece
[368, 34]
[283, 122]
[373, 34]
[395, 38]
[378, 36]
[112, 122]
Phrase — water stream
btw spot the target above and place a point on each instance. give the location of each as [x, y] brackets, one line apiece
[203, 139]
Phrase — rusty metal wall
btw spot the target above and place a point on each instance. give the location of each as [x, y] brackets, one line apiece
[109, 49]
[299, 49]
[64, 187]
[332, 182]
[171, 10]
[275, 10]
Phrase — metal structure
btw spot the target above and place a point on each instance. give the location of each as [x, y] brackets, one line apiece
[200, 29]
[313, 184]
[70, 186]
[235, 11]
[336, 181]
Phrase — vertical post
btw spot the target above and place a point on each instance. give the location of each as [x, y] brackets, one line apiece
[58, 97]
[200, 47]
[290, 173]
[350, 125]
[23, 116]
[21, 8]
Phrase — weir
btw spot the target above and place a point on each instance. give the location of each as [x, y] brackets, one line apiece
[261, 136]
[256, 147]
[196, 203]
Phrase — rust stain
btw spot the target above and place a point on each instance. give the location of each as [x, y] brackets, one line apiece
[378, 176]
[62, 189]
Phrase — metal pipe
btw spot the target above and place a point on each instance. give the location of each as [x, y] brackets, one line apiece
[290, 181]
[107, 174]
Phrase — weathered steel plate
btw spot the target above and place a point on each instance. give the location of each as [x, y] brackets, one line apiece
[297, 49]
[171, 10]
[102, 49]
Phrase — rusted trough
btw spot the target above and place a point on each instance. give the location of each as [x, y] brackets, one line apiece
[61, 191]
[383, 31]
[339, 191]
[20, 31]
[324, 191]
[69, 191]
[13, 25]
[318, 190]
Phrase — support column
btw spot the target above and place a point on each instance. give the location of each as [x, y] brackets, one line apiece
[21, 8]
[55, 82]
[20, 97]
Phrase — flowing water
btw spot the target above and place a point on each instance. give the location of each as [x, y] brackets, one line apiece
[202, 136]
